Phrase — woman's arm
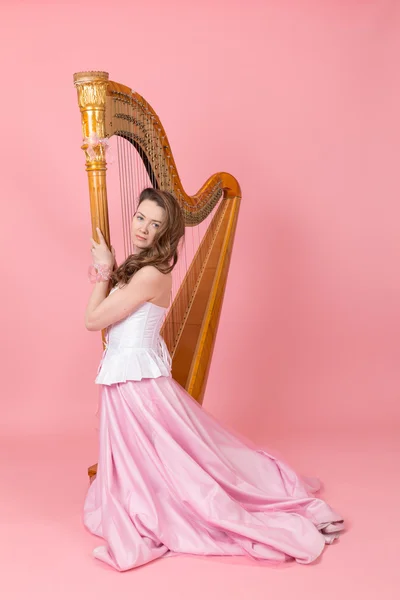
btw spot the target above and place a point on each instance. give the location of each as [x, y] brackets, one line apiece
[98, 295]
[103, 310]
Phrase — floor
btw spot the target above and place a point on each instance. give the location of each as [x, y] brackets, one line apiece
[46, 552]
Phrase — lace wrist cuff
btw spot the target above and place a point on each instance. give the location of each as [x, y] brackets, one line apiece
[99, 273]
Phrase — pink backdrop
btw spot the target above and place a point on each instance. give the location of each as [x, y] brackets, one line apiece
[301, 104]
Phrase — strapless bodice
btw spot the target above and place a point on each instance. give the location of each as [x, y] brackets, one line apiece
[135, 349]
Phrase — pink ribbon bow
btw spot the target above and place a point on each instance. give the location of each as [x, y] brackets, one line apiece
[93, 141]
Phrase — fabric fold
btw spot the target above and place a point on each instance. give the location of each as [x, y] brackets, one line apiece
[171, 479]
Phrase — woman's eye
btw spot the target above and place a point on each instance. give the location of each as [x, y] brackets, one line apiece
[156, 225]
[139, 218]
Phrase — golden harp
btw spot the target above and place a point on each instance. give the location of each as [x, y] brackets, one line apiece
[145, 160]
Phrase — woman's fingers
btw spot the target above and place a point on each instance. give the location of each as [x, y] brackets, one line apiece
[101, 236]
[101, 239]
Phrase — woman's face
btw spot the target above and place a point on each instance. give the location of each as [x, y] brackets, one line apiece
[145, 224]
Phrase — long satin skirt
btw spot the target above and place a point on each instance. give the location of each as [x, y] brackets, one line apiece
[171, 479]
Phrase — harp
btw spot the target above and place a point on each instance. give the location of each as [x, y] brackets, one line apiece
[113, 113]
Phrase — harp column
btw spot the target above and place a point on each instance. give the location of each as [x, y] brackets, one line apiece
[92, 91]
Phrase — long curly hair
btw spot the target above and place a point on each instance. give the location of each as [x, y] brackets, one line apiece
[163, 253]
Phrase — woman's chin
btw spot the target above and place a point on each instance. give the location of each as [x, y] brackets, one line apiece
[138, 247]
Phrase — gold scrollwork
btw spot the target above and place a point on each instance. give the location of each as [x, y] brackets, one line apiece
[92, 95]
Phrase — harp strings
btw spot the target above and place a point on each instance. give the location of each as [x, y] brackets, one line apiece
[142, 129]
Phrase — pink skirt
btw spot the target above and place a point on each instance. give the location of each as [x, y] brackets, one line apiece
[171, 479]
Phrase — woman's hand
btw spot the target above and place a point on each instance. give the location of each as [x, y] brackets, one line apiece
[101, 255]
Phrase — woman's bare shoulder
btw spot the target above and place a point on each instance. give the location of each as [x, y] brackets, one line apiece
[150, 272]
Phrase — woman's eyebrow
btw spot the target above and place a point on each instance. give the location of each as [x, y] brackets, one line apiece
[141, 214]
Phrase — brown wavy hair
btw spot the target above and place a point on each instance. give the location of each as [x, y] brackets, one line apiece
[163, 253]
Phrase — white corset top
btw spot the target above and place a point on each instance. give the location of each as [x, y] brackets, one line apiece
[134, 349]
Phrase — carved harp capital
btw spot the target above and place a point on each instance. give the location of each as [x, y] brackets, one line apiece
[92, 87]
[92, 91]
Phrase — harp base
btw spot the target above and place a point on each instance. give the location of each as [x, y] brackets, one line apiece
[92, 472]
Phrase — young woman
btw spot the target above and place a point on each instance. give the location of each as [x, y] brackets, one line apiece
[171, 479]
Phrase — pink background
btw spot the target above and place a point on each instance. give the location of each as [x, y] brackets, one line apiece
[300, 101]
[301, 105]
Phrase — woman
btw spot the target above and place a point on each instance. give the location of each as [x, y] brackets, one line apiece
[171, 479]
